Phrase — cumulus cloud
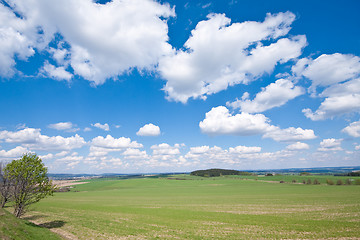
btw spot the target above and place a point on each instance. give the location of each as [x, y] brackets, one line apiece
[298, 146]
[219, 121]
[353, 129]
[64, 126]
[13, 153]
[165, 149]
[237, 55]
[104, 127]
[149, 130]
[339, 75]
[274, 95]
[330, 144]
[34, 140]
[57, 73]
[132, 33]
[101, 146]
[290, 134]
[135, 153]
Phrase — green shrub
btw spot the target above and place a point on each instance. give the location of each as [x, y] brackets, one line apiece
[293, 181]
[339, 182]
[308, 181]
[329, 182]
[357, 181]
[348, 181]
[316, 182]
[304, 181]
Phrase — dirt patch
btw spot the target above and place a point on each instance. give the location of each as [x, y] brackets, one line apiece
[65, 183]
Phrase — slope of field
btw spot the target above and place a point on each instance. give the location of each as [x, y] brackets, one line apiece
[203, 208]
[14, 228]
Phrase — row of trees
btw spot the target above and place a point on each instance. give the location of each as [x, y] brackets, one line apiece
[216, 172]
[24, 182]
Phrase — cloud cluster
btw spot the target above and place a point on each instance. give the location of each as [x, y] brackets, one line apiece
[219, 54]
[339, 75]
[274, 95]
[330, 144]
[32, 139]
[94, 41]
[219, 121]
[353, 129]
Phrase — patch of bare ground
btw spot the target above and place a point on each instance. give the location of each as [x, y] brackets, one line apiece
[54, 226]
[66, 183]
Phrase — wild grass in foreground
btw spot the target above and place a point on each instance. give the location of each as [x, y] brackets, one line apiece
[14, 228]
[203, 208]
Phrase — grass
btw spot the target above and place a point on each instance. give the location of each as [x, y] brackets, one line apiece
[203, 208]
[14, 228]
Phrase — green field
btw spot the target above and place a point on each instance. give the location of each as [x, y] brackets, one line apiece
[202, 208]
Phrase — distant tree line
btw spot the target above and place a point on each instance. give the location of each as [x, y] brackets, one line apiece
[216, 172]
[24, 182]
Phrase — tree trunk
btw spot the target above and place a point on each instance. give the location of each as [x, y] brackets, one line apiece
[3, 201]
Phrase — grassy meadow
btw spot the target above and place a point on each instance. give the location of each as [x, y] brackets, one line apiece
[202, 208]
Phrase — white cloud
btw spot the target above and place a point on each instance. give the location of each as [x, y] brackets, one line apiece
[149, 130]
[13, 153]
[333, 106]
[339, 75]
[330, 144]
[353, 129]
[298, 146]
[357, 147]
[274, 95]
[237, 55]
[66, 126]
[57, 73]
[244, 149]
[110, 143]
[104, 127]
[87, 129]
[219, 121]
[165, 149]
[134, 153]
[132, 33]
[327, 70]
[290, 134]
[34, 140]
[13, 41]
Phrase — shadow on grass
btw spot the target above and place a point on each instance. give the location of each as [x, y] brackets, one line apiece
[48, 225]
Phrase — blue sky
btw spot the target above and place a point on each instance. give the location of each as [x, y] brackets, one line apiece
[145, 86]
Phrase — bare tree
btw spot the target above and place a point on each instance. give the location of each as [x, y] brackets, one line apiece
[6, 186]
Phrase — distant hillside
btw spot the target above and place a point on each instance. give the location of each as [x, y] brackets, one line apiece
[216, 172]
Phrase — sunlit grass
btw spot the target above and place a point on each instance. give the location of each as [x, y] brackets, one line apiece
[203, 208]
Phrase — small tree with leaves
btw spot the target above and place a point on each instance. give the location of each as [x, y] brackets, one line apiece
[6, 186]
[31, 183]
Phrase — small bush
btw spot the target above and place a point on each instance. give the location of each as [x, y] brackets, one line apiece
[357, 181]
[308, 181]
[293, 181]
[282, 181]
[304, 181]
[348, 181]
[269, 175]
[329, 182]
[316, 182]
[339, 182]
